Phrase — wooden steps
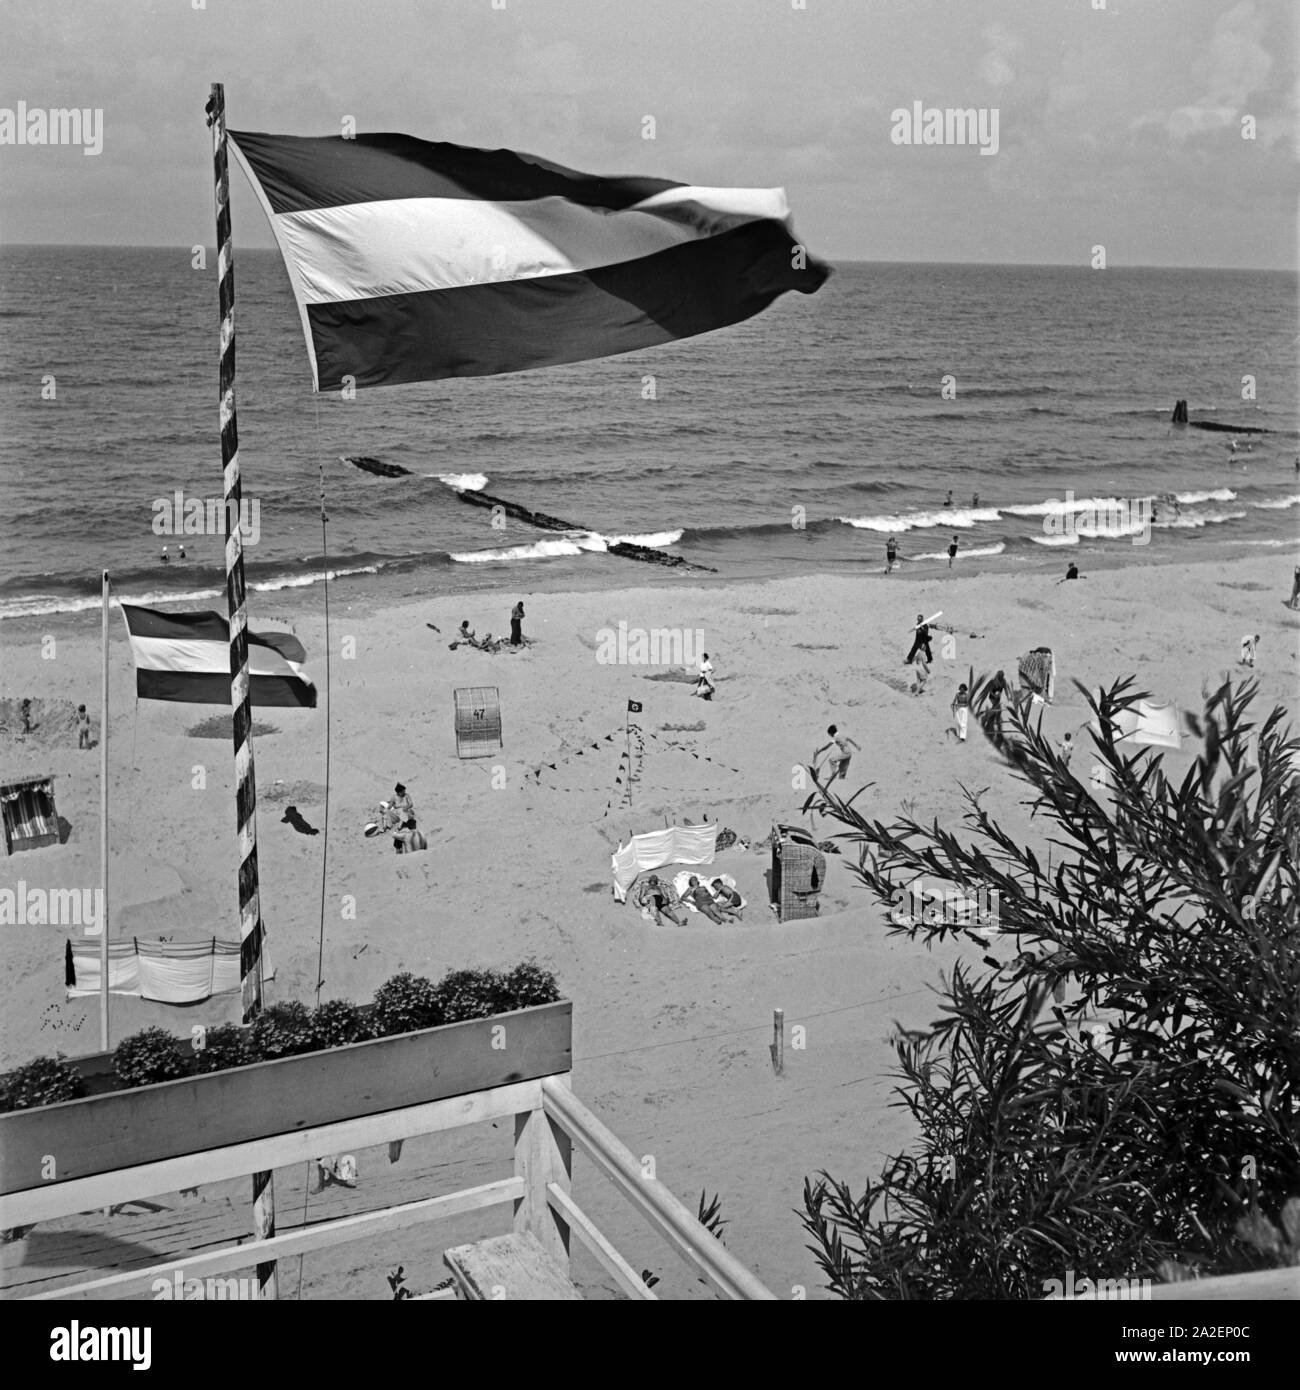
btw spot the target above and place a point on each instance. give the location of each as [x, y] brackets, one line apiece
[512, 1269]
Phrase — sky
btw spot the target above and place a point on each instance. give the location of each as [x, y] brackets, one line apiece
[1120, 122]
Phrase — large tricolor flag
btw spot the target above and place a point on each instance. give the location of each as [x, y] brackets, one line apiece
[413, 260]
[186, 657]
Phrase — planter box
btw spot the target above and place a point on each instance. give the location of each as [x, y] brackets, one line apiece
[123, 1129]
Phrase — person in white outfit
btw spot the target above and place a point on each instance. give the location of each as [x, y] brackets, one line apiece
[961, 709]
[703, 683]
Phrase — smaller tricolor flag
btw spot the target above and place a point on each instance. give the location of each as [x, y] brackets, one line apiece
[186, 657]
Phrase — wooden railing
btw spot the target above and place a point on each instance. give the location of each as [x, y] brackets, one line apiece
[549, 1121]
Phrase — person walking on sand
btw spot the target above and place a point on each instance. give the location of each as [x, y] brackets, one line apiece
[704, 686]
[891, 554]
[961, 709]
[1248, 646]
[840, 759]
[1295, 589]
[921, 641]
[921, 672]
[517, 624]
[952, 552]
[83, 727]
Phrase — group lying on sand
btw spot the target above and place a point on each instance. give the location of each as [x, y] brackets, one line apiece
[718, 901]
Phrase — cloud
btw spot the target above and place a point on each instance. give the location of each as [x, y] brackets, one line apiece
[1003, 45]
[1234, 66]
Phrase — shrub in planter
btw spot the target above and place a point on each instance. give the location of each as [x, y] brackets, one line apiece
[405, 1004]
[149, 1056]
[225, 1046]
[282, 1030]
[529, 984]
[466, 994]
[338, 1022]
[43, 1081]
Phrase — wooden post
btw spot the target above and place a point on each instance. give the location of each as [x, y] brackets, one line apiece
[778, 1041]
[543, 1154]
[103, 832]
[250, 910]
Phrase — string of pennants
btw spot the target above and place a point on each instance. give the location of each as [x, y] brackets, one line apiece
[535, 774]
[703, 757]
[629, 762]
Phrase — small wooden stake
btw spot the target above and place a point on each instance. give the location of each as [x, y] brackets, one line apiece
[778, 1041]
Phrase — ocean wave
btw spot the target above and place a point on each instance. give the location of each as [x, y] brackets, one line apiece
[1072, 539]
[537, 550]
[996, 549]
[944, 517]
[1054, 506]
[569, 544]
[1220, 494]
[1279, 504]
[1186, 523]
[39, 605]
[462, 482]
[655, 540]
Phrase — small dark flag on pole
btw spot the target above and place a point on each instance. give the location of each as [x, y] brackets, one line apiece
[634, 707]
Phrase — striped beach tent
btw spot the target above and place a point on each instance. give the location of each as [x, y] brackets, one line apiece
[414, 260]
[186, 657]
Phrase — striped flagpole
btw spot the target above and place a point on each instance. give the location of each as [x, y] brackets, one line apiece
[251, 933]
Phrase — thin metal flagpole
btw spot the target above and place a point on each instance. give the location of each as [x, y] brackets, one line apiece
[103, 832]
[251, 932]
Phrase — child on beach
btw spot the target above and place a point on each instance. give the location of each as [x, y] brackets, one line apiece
[1248, 645]
[961, 709]
[839, 760]
[727, 900]
[952, 552]
[83, 727]
[920, 673]
[1295, 589]
[891, 554]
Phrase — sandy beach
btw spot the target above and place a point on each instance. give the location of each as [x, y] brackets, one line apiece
[671, 1025]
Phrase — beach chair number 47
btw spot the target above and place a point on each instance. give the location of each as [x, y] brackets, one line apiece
[480, 714]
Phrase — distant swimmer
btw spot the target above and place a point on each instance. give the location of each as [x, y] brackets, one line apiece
[948, 499]
[974, 499]
[182, 550]
[166, 559]
[891, 554]
[952, 552]
[1073, 571]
